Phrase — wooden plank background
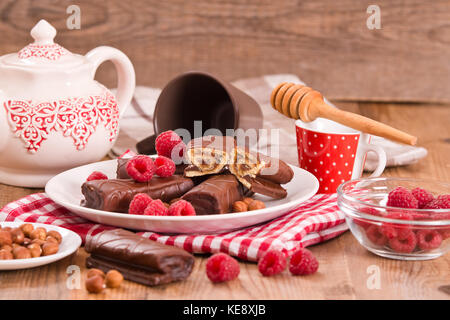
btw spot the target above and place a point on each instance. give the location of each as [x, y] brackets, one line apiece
[325, 42]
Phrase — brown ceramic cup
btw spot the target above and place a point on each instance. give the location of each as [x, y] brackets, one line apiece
[199, 96]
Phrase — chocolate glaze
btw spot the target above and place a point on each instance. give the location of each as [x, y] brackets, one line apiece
[266, 187]
[121, 171]
[137, 258]
[115, 195]
[215, 195]
[283, 174]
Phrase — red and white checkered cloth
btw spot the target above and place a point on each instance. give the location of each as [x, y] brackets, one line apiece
[315, 221]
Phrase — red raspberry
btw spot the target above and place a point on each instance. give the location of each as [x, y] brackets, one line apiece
[139, 203]
[303, 262]
[423, 196]
[375, 235]
[141, 168]
[181, 208]
[156, 208]
[428, 239]
[444, 201]
[165, 167]
[221, 267]
[432, 205]
[272, 263]
[405, 245]
[402, 198]
[166, 142]
[392, 230]
[97, 175]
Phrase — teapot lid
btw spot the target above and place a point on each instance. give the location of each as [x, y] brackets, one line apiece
[43, 52]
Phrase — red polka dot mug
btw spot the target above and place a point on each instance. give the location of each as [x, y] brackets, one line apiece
[334, 153]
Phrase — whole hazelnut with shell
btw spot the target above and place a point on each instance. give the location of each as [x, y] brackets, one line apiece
[113, 279]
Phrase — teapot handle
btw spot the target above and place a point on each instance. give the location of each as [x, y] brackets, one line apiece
[125, 72]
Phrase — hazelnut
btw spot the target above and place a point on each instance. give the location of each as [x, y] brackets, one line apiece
[55, 234]
[20, 252]
[247, 200]
[5, 237]
[94, 284]
[256, 205]
[95, 272]
[166, 205]
[26, 241]
[6, 255]
[113, 279]
[51, 239]
[35, 250]
[174, 200]
[27, 228]
[38, 241]
[240, 206]
[6, 247]
[17, 235]
[38, 233]
[49, 248]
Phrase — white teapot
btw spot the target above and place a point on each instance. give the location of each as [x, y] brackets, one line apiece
[53, 114]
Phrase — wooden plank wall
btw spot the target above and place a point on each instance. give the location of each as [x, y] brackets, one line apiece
[325, 42]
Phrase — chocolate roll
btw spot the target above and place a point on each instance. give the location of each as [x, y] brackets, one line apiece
[215, 195]
[138, 259]
[115, 195]
[121, 171]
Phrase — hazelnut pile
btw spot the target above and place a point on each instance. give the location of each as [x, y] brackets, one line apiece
[248, 204]
[97, 280]
[27, 242]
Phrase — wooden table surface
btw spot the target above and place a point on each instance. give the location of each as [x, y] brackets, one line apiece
[344, 264]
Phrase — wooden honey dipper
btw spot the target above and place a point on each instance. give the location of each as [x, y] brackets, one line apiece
[297, 101]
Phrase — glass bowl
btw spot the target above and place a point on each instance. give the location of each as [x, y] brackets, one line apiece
[391, 232]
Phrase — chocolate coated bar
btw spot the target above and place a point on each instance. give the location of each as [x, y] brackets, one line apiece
[215, 195]
[115, 195]
[138, 259]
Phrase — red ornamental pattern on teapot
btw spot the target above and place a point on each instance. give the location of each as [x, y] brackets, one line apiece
[77, 118]
[49, 51]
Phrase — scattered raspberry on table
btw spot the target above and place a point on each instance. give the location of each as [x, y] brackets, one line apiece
[220, 267]
[272, 263]
[303, 262]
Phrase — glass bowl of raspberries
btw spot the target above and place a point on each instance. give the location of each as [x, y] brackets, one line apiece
[398, 218]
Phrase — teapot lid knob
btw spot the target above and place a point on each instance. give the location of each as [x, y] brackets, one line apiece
[43, 33]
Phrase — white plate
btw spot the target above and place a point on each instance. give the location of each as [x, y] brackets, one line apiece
[70, 243]
[65, 189]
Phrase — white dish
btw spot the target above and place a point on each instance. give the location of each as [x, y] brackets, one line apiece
[65, 189]
[70, 243]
